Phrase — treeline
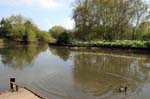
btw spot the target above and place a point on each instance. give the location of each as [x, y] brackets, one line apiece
[95, 20]
[18, 28]
[111, 20]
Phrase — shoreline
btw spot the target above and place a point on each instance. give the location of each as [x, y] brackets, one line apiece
[23, 91]
[115, 49]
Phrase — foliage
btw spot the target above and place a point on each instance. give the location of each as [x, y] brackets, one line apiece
[63, 38]
[147, 44]
[144, 31]
[31, 31]
[5, 29]
[45, 37]
[18, 28]
[109, 19]
[56, 31]
[112, 44]
[146, 37]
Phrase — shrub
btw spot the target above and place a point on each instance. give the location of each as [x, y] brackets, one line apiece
[147, 44]
[63, 38]
[45, 37]
[146, 37]
[115, 44]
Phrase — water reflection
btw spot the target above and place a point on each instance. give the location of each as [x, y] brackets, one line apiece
[60, 73]
[18, 57]
[103, 73]
[61, 52]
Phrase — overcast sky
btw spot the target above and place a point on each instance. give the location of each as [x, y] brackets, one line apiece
[44, 13]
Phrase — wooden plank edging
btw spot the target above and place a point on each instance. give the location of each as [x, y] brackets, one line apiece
[33, 92]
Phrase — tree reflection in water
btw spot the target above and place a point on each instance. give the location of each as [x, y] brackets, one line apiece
[63, 53]
[103, 73]
[18, 57]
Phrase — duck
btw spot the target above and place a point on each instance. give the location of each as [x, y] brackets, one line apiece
[122, 89]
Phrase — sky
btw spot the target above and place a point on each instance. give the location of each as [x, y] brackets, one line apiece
[44, 13]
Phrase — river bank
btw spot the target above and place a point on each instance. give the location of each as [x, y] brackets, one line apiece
[124, 46]
[22, 93]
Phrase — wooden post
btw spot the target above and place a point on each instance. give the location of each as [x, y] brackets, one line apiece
[13, 86]
[17, 88]
[126, 88]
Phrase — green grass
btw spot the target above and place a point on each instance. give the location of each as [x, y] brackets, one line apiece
[112, 44]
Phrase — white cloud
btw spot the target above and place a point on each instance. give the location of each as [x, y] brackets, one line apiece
[69, 23]
[48, 4]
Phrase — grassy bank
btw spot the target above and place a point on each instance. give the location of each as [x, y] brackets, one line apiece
[112, 44]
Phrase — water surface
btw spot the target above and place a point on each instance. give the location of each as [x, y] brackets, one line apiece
[59, 73]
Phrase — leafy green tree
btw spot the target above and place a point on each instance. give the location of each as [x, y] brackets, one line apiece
[56, 31]
[109, 19]
[19, 28]
[17, 32]
[63, 38]
[144, 31]
[45, 37]
[5, 29]
[30, 33]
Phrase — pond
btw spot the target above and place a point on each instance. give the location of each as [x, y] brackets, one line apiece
[60, 73]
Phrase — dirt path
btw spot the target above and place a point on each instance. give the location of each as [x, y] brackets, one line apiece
[21, 94]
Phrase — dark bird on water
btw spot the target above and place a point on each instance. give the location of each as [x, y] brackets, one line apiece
[122, 89]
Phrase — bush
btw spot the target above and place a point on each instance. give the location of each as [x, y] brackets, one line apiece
[45, 37]
[146, 37]
[114, 44]
[63, 38]
[147, 44]
[31, 36]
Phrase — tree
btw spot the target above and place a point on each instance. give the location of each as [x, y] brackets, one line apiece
[63, 38]
[2, 21]
[18, 28]
[143, 31]
[55, 31]
[45, 37]
[109, 19]
[5, 29]
[17, 32]
[31, 31]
